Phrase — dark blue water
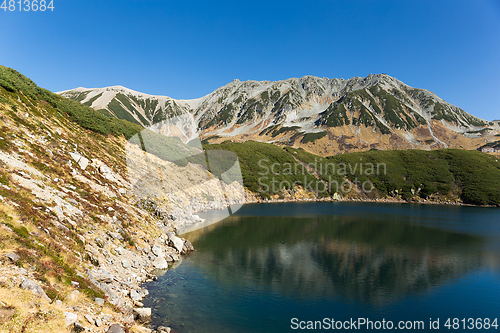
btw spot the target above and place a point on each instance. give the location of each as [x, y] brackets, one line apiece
[270, 263]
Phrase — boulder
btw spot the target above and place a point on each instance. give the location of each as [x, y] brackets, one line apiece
[115, 328]
[160, 263]
[157, 251]
[13, 257]
[187, 247]
[135, 295]
[105, 276]
[177, 243]
[126, 263]
[142, 315]
[70, 318]
[28, 284]
[99, 301]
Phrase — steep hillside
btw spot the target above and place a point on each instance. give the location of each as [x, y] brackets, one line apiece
[321, 115]
[75, 241]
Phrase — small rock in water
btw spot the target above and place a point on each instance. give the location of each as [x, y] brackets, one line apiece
[187, 247]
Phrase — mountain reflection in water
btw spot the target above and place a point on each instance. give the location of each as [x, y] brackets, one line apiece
[254, 271]
[370, 260]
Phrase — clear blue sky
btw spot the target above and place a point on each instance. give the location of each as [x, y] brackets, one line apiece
[186, 49]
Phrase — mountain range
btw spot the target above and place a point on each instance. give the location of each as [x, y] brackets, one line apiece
[321, 115]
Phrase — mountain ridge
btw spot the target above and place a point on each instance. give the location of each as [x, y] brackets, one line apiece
[376, 111]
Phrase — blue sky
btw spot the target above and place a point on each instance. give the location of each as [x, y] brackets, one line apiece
[187, 49]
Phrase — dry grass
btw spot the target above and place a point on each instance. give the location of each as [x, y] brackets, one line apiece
[32, 314]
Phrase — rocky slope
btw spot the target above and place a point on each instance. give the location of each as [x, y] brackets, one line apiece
[76, 242]
[321, 115]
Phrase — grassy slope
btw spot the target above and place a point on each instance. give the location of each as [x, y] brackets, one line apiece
[40, 128]
[15, 84]
[446, 174]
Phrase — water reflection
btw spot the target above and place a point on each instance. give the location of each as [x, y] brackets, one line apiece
[363, 259]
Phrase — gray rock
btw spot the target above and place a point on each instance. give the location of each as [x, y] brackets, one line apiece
[115, 328]
[188, 247]
[135, 295]
[13, 257]
[98, 322]
[58, 302]
[75, 284]
[125, 263]
[160, 263]
[142, 315]
[99, 301]
[70, 318]
[105, 276]
[175, 257]
[119, 250]
[176, 242]
[157, 251]
[28, 284]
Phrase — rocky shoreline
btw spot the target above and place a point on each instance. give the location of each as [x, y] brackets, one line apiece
[120, 270]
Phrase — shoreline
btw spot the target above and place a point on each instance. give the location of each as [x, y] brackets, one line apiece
[378, 200]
